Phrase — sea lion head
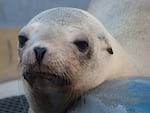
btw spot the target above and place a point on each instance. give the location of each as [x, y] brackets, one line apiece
[62, 50]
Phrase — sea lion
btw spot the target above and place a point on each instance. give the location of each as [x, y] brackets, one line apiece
[64, 52]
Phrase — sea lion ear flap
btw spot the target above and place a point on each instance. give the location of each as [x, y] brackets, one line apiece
[110, 51]
[105, 44]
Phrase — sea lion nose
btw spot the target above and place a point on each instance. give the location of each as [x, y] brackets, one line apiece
[39, 53]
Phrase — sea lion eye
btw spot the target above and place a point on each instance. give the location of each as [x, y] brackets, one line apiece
[82, 45]
[22, 40]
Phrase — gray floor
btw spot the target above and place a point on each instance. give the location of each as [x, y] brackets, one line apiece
[11, 88]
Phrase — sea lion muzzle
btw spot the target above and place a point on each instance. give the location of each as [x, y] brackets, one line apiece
[54, 80]
[29, 77]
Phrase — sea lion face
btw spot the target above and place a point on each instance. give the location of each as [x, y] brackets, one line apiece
[53, 56]
[61, 56]
[52, 63]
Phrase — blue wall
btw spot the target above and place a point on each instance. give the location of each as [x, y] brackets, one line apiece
[19, 12]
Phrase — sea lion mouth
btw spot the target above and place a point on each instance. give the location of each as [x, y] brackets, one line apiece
[54, 80]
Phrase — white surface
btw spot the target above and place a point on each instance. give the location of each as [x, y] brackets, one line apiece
[12, 88]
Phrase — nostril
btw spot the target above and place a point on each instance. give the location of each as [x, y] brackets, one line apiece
[39, 53]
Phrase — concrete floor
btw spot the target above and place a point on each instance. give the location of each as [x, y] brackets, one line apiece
[11, 88]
